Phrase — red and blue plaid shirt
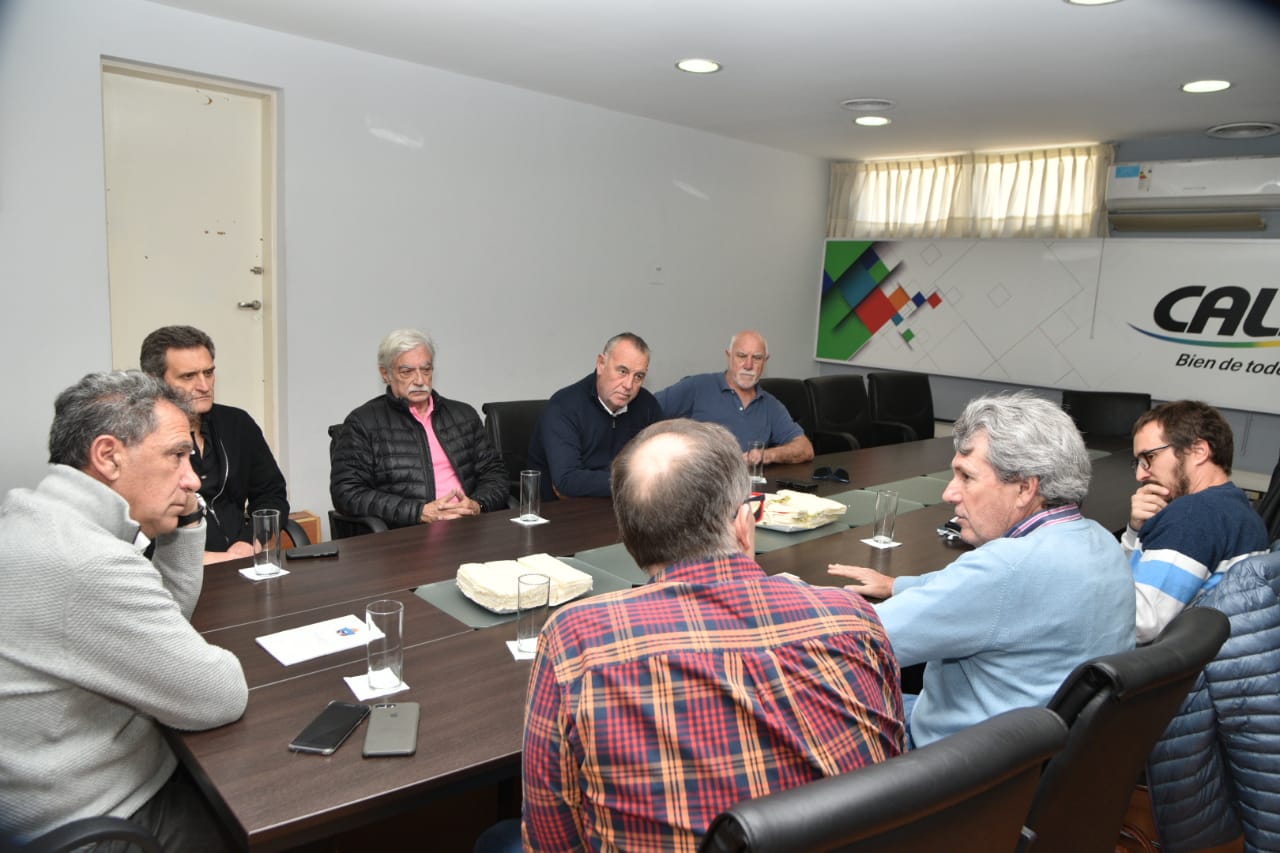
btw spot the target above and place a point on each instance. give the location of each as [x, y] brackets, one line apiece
[654, 709]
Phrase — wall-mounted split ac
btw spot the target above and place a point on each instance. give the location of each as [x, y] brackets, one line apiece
[1193, 195]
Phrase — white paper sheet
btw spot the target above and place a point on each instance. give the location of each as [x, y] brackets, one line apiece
[322, 638]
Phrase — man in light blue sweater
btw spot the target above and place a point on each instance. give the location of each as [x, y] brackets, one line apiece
[1043, 590]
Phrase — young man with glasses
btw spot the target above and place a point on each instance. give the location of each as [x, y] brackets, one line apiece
[1188, 523]
[411, 456]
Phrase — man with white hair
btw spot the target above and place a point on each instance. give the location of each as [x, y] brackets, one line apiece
[411, 456]
[1043, 590]
[734, 399]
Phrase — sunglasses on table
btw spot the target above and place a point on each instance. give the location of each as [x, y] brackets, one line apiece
[838, 475]
[756, 502]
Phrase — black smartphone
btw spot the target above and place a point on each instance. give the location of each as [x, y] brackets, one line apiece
[393, 729]
[330, 728]
[319, 549]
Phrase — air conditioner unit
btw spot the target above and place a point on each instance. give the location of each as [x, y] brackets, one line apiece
[1241, 183]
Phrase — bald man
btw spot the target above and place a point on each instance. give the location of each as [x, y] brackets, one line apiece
[661, 670]
[735, 400]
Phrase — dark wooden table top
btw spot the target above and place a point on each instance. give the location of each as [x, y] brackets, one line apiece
[472, 697]
[472, 692]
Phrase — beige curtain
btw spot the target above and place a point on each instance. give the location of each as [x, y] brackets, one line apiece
[1048, 193]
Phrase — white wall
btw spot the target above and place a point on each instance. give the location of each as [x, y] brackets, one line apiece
[520, 230]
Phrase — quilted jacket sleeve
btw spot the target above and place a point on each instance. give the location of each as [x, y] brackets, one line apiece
[1217, 768]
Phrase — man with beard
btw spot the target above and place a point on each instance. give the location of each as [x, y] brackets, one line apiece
[411, 456]
[1188, 522]
[735, 400]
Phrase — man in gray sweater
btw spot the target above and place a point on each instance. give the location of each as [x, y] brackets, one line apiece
[100, 569]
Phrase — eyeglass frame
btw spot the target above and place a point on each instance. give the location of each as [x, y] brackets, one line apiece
[404, 371]
[826, 472]
[1144, 457]
[758, 499]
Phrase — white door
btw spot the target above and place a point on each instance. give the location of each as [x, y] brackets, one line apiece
[188, 219]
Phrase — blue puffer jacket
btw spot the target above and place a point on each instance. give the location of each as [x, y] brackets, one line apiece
[1216, 771]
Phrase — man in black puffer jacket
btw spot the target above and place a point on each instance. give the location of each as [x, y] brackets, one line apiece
[411, 456]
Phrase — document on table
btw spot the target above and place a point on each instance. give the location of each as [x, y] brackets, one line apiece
[322, 638]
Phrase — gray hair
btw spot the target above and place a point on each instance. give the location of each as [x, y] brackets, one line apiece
[762, 338]
[400, 342]
[121, 404]
[1028, 436]
[630, 337]
[685, 509]
[154, 358]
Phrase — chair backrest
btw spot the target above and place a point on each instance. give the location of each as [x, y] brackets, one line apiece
[510, 425]
[1117, 707]
[92, 830]
[840, 404]
[793, 395]
[341, 525]
[902, 398]
[966, 792]
[1269, 505]
[1105, 413]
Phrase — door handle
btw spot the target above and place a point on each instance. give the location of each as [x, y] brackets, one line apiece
[255, 305]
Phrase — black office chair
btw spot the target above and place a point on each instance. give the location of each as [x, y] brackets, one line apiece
[510, 425]
[1117, 706]
[840, 405]
[296, 533]
[1105, 413]
[795, 397]
[89, 830]
[966, 793]
[903, 398]
[1269, 505]
[341, 525]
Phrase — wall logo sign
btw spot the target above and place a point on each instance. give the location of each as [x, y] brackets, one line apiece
[1227, 316]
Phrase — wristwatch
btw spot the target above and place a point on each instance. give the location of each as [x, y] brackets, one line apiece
[193, 517]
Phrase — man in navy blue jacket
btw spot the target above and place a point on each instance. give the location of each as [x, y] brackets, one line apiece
[586, 424]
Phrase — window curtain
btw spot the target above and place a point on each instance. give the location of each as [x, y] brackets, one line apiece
[1047, 193]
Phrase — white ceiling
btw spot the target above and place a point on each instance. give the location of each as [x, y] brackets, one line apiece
[979, 75]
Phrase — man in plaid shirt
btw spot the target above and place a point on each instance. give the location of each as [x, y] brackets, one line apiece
[654, 709]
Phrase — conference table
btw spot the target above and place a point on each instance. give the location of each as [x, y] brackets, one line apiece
[470, 688]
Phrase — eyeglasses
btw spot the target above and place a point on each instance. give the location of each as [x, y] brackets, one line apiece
[839, 475]
[410, 372]
[1144, 458]
[756, 503]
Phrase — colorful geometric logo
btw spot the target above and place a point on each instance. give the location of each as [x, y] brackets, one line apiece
[858, 299]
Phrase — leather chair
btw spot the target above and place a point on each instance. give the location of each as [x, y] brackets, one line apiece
[966, 793]
[1117, 707]
[89, 830]
[1105, 413]
[793, 394]
[341, 525]
[1269, 505]
[510, 425]
[840, 405]
[903, 398]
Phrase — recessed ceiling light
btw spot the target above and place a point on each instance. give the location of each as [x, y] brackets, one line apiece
[1090, 2]
[1243, 130]
[1200, 87]
[867, 105]
[698, 66]
[871, 121]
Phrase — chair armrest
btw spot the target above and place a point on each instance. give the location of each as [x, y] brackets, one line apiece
[833, 442]
[89, 830]
[893, 432]
[296, 533]
[340, 521]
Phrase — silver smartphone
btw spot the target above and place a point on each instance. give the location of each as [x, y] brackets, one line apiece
[393, 729]
[330, 728]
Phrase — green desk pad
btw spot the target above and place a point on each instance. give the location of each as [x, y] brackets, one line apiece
[922, 490]
[446, 596]
[615, 560]
[772, 540]
[862, 506]
[1095, 455]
